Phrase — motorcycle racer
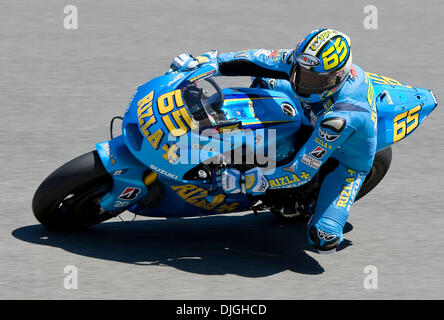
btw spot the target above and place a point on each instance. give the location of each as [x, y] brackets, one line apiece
[336, 99]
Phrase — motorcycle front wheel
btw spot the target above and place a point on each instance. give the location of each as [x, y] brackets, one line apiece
[68, 199]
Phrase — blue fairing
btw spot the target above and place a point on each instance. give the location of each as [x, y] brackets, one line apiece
[394, 102]
[126, 171]
[160, 135]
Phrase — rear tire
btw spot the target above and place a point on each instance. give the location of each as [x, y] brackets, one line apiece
[68, 199]
[381, 164]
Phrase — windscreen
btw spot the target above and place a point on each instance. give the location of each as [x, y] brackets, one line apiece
[204, 102]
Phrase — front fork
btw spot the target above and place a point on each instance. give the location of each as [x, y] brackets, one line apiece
[130, 176]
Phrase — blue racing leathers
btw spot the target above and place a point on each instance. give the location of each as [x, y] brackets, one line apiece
[344, 129]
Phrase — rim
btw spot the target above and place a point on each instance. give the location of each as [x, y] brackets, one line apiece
[80, 205]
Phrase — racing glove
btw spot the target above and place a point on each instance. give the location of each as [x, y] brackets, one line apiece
[251, 182]
[230, 180]
[186, 62]
[183, 62]
[255, 182]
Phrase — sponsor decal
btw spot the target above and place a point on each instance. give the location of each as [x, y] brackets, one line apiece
[197, 197]
[288, 109]
[328, 137]
[372, 103]
[283, 181]
[318, 152]
[321, 38]
[129, 193]
[377, 79]
[322, 143]
[171, 152]
[310, 161]
[289, 181]
[349, 190]
[121, 204]
[276, 54]
[163, 172]
[111, 157]
[146, 119]
[307, 60]
[250, 108]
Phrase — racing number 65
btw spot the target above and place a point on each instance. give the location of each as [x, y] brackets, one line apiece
[335, 54]
[405, 122]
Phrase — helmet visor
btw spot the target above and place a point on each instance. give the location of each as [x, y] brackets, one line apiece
[306, 82]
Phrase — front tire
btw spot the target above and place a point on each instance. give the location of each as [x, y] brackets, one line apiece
[68, 199]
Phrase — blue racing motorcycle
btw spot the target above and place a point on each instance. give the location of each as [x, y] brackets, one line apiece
[181, 128]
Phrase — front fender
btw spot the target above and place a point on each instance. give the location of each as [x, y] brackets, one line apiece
[127, 173]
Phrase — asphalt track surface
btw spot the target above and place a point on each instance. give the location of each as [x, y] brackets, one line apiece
[59, 89]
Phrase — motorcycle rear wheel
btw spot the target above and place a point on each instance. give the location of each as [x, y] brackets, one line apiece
[381, 164]
[68, 199]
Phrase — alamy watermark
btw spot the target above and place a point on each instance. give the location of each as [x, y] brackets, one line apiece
[71, 279]
[216, 146]
[371, 17]
[371, 280]
[71, 21]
